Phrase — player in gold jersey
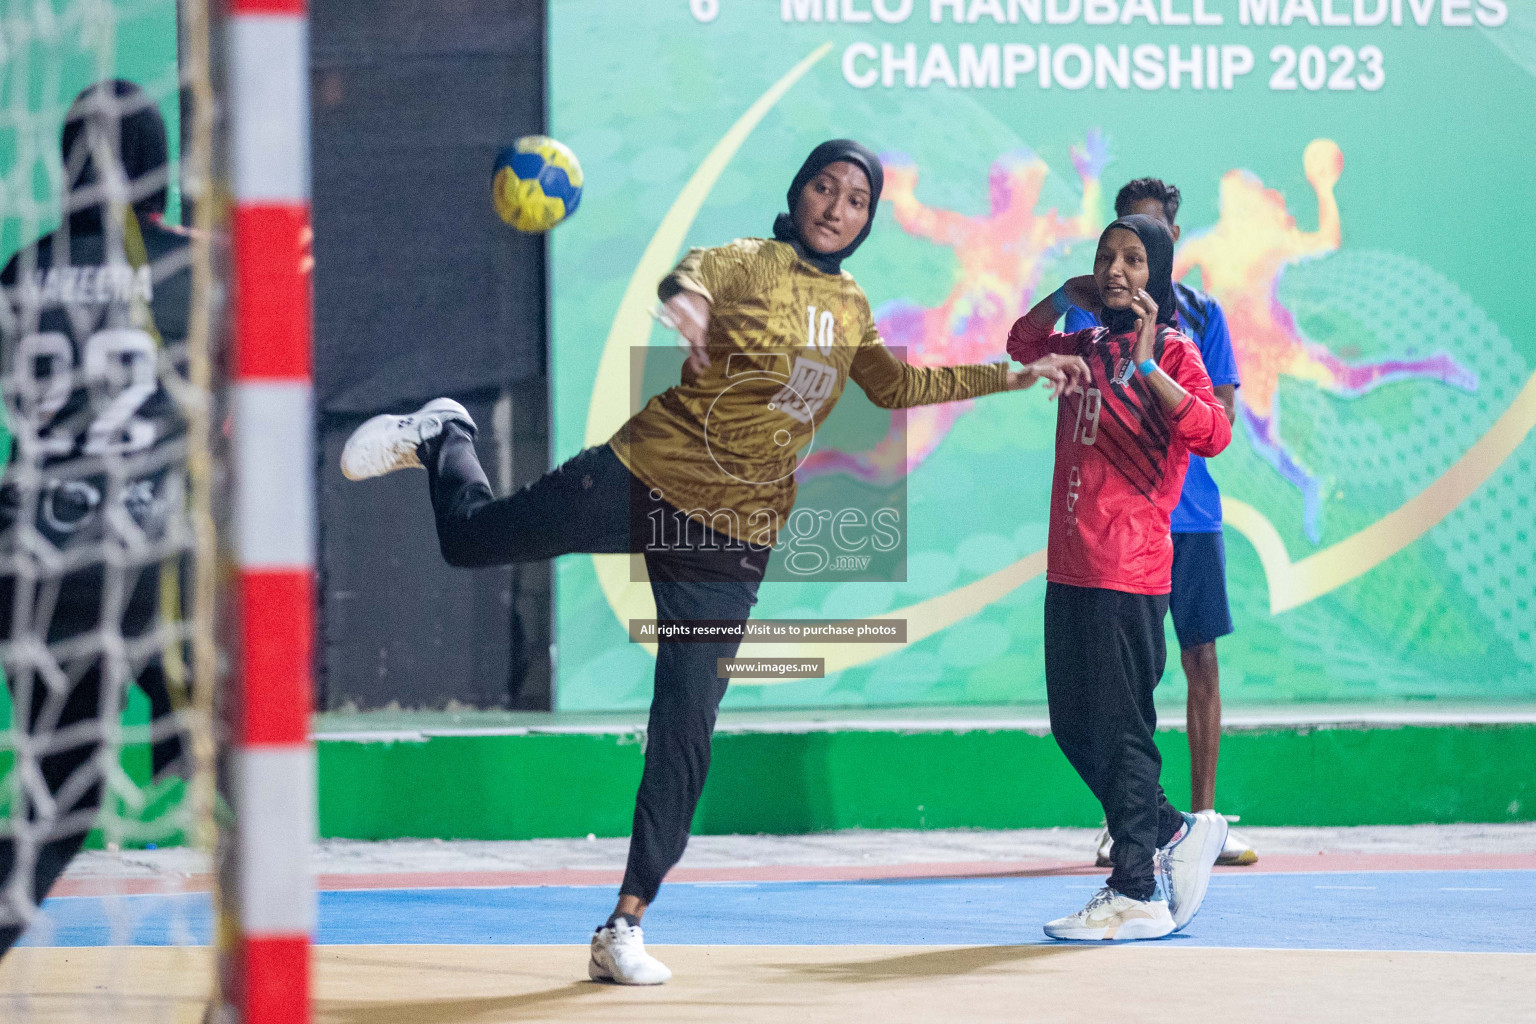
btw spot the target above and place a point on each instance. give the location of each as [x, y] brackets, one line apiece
[776, 328]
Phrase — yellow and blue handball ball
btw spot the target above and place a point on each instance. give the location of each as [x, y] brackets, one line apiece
[536, 183]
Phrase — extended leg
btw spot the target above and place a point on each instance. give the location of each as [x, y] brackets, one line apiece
[1264, 432]
[1319, 365]
[581, 505]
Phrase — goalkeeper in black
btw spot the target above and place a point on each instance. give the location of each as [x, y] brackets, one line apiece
[93, 528]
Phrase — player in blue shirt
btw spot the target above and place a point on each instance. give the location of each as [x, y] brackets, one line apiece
[1199, 598]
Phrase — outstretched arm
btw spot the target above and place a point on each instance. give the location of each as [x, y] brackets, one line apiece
[944, 227]
[1324, 165]
[1090, 159]
[893, 384]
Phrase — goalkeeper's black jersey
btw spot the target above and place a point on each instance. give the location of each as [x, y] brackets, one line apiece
[93, 328]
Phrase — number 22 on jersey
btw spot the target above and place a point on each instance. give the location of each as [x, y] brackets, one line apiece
[119, 371]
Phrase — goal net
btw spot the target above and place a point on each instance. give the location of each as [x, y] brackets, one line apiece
[107, 753]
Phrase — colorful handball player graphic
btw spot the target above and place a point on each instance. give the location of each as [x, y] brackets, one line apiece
[1241, 260]
[1000, 255]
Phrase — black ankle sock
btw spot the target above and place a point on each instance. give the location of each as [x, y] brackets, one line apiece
[630, 919]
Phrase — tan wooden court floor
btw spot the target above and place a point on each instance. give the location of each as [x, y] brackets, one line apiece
[801, 984]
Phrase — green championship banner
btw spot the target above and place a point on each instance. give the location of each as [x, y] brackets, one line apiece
[1357, 194]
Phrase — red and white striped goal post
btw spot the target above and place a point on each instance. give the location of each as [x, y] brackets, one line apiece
[273, 777]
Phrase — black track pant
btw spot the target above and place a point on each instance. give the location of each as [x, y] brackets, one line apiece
[593, 504]
[1104, 654]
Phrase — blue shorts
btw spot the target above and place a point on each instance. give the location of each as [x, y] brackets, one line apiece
[1199, 599]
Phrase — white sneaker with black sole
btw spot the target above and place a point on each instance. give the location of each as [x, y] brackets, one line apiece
[1184, 865]
[1112, 916]
[387, 443]
[619, 956]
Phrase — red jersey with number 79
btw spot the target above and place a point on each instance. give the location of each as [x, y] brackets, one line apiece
[1121, 455]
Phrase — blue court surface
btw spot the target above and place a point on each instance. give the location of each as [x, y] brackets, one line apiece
[1435, 911]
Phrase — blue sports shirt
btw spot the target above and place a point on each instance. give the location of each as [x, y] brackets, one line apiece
[1200, 317]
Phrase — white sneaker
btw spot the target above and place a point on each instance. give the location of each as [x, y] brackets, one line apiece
[1101, 849]
[1184, 865]
[619, 956]
[1237, 850]
[387, 443]
[1114, 916]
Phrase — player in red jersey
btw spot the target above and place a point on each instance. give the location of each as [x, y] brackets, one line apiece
[1122, 445]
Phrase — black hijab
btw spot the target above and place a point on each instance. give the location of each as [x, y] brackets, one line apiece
[129, 121]
[830, 152]
[1158, 241]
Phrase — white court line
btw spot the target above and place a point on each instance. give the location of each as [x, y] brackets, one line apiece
[1006, 720]
[1255, 873]
[1184, 943]
[1358, 887]
[1468, 888]
[1188, 942]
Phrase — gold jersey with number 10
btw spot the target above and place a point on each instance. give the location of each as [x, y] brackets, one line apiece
[784, 339]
